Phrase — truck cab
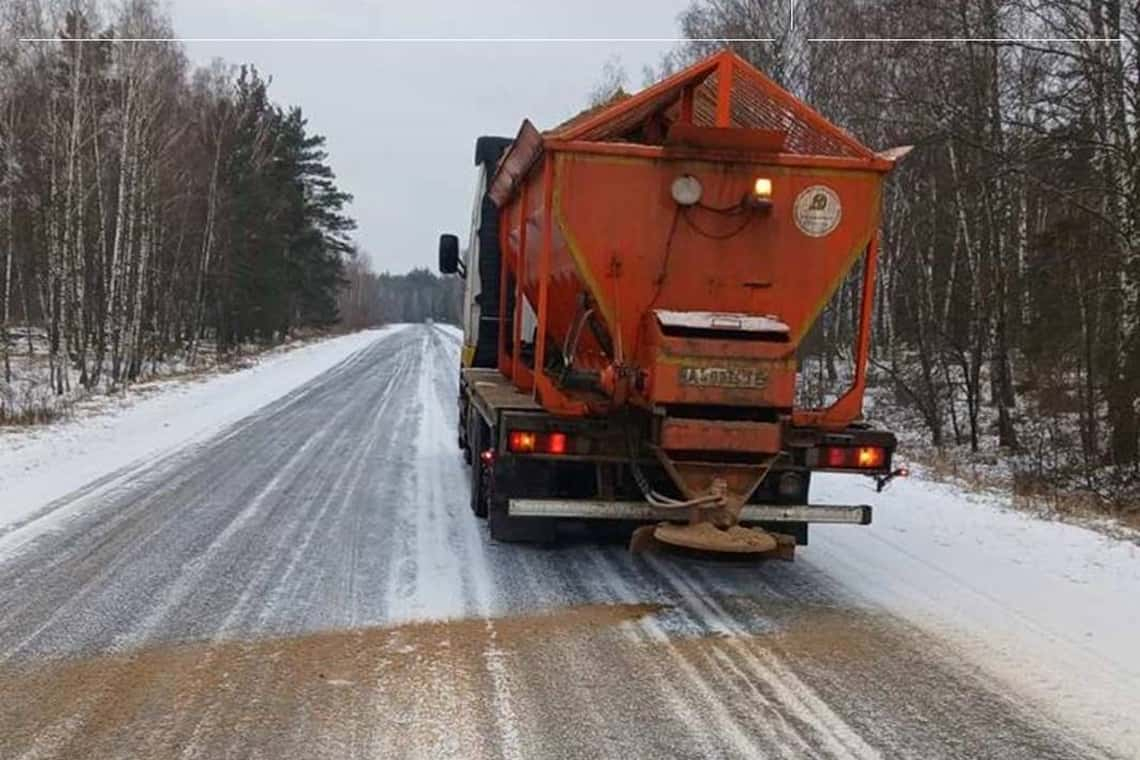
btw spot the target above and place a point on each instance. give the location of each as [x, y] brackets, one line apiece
[480, 261]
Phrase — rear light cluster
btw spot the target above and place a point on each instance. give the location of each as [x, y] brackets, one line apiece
[853, 457]
[530, 442]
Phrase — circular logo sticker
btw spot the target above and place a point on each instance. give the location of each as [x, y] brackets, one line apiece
[817, 211]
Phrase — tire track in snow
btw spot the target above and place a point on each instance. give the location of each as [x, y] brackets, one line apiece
[380, 480]
[124, 516]
[329, 481]
[795, 698]
[359, 407]
[455, 527]
[711, 708]
[429, 584]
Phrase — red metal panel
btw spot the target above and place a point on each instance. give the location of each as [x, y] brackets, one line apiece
[721, 435]
[876, 162]
[724, 92]
[520, 274]
[849, 406]
[748, 263]
[718, 138]
[545, 254]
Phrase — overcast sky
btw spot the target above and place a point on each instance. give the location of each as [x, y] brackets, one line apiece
[401, 118]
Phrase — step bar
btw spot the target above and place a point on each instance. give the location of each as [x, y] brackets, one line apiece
[844, 514]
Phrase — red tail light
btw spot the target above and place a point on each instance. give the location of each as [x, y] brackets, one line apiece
[834, 456]
[528, 442]
[556, 443]
[853, 457]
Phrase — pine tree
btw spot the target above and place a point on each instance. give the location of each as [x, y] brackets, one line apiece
[320, 243]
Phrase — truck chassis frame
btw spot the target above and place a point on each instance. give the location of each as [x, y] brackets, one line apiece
[526, 496]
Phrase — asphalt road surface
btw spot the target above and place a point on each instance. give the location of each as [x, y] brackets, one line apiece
[268, 594]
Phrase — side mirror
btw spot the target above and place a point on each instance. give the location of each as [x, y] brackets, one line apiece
[448, 254]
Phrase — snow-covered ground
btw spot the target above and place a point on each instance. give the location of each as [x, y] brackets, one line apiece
[1048, 473]
[27, 396]
[40, 465]
[954, 626]
[1051, 608]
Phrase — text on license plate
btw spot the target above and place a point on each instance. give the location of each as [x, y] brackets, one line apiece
[724, 377]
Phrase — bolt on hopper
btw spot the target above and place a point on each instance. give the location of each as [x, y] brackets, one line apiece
[659, 261]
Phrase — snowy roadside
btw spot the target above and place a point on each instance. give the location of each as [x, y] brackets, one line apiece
[1051, 608]
[454, 330]
[40, 465]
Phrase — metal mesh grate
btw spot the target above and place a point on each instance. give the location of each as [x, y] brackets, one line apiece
[756, 103]
[754, 108]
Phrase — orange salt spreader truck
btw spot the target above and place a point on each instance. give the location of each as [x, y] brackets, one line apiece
[637, 283]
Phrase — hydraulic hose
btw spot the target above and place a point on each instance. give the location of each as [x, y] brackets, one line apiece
[659, 500]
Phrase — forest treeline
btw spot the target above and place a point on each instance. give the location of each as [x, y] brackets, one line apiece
[373, 299]
[1009, 311]
[147, 206]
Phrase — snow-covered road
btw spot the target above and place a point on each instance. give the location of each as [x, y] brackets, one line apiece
[309, 582]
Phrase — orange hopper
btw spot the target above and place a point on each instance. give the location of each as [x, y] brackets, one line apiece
[666, 254]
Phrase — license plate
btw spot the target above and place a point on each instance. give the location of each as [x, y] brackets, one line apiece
[724, 377]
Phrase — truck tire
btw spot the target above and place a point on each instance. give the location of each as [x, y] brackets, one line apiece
[477, 435]
[462, 427]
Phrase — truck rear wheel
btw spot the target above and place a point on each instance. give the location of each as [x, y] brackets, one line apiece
[477, 440]
[462, 428]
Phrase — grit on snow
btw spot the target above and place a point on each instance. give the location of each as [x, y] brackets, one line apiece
[281, 562]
